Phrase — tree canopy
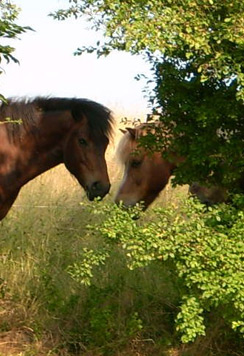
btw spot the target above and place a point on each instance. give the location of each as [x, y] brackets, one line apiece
[207, 32]
[9, 29]
[196, 49]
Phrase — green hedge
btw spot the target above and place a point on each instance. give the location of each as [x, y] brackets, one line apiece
[203, 246]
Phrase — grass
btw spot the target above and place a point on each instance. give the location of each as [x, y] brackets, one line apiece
[42, 235]
[43, 311]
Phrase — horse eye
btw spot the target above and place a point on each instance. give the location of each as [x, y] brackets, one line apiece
[135, 163]
[82, 142]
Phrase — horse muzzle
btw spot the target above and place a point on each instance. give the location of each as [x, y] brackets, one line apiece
[97, 190]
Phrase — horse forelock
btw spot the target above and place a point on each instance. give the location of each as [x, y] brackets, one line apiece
[129, 142]
[147, 128]
[126, 146]
[100, 118]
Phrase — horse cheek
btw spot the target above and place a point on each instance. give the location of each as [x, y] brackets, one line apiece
[71, 160]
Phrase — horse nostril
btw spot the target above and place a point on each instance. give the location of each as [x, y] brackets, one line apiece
[97, 189]
[96, 186]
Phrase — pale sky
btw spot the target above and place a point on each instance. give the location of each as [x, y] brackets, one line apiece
[48, 66]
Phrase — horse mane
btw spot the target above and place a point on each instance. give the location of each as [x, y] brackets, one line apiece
[19, 116]
[29, 111]
[99, 117]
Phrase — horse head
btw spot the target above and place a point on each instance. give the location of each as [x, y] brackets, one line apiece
[84, 150]
[145, 173]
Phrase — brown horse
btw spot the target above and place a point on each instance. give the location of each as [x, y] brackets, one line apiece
[52, 131]
[147, 173]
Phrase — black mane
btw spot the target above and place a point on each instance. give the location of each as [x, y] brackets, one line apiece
[29, 110]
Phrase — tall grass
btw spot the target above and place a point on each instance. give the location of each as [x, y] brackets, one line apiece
[43, 311]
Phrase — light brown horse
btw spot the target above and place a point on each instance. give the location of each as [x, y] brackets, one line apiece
[147, 173]
[38, 134]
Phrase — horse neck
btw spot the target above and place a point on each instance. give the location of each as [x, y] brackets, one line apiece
[43, 148]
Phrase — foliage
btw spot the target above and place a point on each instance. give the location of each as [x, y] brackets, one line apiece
[90, 259]
[44, 310]
[205, 120]
[196, 50]
[196, 28]
[9, 29]
[38, 247]
[205, 247]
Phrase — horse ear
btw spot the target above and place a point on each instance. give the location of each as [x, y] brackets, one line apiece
[123, 131]
[77, 114]
[131, 131]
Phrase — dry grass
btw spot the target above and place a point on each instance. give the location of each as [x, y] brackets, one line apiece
[40, 236]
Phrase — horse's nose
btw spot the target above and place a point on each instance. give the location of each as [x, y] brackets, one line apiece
[97, 189]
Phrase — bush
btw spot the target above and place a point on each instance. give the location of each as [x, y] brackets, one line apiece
[203, 246]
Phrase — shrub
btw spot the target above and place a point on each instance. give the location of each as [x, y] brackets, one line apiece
[203, 246]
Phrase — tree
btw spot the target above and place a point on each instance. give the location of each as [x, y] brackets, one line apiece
[196, 49]
[9, 29]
